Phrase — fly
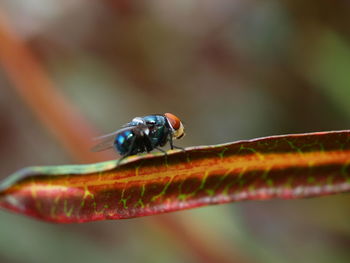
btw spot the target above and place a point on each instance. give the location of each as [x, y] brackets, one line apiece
[143, 134]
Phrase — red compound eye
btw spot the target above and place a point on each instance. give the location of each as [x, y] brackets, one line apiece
[174, 121]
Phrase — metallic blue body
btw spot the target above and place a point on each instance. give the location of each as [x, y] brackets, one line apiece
[143, 135]
[123, 141]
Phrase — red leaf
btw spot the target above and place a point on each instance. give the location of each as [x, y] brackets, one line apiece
[291, 166]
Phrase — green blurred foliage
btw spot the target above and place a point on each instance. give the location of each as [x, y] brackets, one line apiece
[230, 69]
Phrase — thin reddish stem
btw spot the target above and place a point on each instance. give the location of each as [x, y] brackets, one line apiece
[64, 121]
[33, 85]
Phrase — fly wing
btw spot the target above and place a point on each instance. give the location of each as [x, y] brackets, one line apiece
[105, 144]
[107, 140]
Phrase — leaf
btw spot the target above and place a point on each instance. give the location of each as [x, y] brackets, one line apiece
[288, 167]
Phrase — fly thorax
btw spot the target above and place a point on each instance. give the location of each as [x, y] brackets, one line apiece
[138, 120]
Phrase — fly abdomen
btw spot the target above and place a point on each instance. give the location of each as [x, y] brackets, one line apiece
[133, 141]
[123, 142]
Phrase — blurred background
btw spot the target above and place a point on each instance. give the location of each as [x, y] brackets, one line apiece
[230, 69]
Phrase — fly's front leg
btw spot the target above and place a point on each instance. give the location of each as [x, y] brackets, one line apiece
[178, 147]
[171, 141]
[172, 146]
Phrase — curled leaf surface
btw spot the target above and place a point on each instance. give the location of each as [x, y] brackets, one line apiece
[290, 166]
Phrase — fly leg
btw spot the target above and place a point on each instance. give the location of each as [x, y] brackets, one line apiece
[172, 146]
[171, 141]
[151, 148]
[178, 147]
[161, 150]
[148, 144]
[165, 154]
[120, 159]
